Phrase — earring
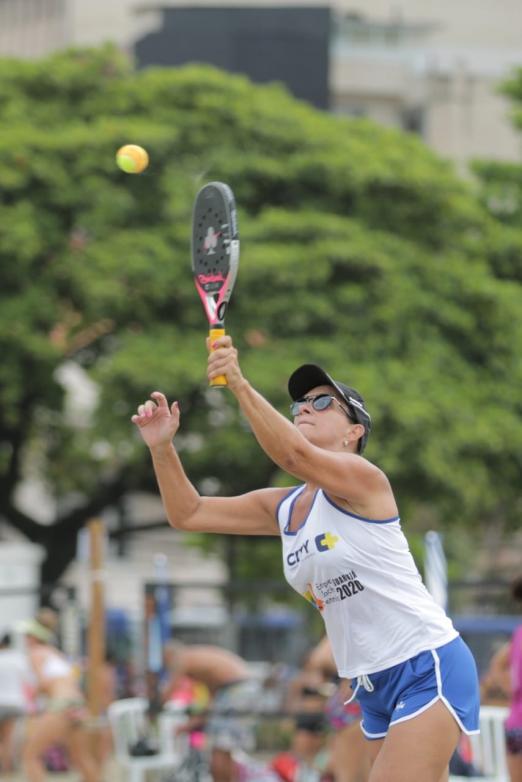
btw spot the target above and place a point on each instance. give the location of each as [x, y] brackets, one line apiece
[345, 443]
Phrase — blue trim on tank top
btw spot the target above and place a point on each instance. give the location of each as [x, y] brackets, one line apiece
[300, 527]
[287, 495]
[359, 518]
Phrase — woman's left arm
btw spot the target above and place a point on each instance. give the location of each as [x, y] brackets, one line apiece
[344, 475]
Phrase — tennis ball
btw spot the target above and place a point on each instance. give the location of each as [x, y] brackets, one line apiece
[132, 159]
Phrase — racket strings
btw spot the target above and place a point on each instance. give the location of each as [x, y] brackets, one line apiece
[215, 248]
[212, 245]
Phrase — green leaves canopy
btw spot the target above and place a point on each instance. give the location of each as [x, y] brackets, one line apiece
[360, 250]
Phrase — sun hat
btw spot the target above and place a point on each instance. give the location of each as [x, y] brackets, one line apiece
[35, 630]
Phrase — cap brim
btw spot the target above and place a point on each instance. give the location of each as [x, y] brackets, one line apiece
[306, 377]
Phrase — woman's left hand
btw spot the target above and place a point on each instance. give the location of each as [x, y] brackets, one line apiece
[223, 360]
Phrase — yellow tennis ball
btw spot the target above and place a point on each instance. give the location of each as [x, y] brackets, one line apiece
[132, 159]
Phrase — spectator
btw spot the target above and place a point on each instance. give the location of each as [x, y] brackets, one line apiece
[308, 758]
[233, 692]
[63, 718]
[505, 671]
[15, 682]
[349, 761]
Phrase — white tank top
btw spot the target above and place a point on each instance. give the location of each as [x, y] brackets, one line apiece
[55, 667]
[361, 576]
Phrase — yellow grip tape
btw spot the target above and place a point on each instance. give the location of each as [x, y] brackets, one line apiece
[221, 380]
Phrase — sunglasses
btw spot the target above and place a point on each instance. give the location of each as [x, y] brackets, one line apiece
[319, 402]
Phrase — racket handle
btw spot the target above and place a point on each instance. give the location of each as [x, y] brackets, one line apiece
[221, 380]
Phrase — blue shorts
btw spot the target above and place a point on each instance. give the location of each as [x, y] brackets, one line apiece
[448, 674]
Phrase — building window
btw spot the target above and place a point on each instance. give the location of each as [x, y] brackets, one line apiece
[412, 120]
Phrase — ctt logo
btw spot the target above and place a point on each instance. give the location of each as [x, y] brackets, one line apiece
[326, 542]
[296, 556]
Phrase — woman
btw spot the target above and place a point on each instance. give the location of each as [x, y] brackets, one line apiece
[62, 720]
[316, 688]
[506, 672]
[348, 756]
[15, 685]
[343, 549]
[232, 689]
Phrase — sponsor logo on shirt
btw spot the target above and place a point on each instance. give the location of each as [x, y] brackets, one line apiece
[313, 598]
[338, 588]
[324, 542]
[296, 556]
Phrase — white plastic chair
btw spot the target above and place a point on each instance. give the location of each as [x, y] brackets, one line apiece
[489, 747]
[169, 719]
[129, 723]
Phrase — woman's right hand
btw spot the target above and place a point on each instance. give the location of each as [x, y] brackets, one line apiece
[157, 422]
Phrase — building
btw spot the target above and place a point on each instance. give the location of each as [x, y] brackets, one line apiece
[267, 44]
[430, 68]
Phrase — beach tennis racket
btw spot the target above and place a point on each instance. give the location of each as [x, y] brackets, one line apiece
[215, 255]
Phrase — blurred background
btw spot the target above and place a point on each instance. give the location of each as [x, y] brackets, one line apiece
[374, 151]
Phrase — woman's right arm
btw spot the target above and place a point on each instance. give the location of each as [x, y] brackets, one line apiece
[253, 513]
[247, 514]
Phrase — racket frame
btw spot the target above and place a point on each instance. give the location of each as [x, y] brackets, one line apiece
[215, 288]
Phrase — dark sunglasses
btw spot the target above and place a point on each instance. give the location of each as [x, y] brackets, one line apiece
[319, 402]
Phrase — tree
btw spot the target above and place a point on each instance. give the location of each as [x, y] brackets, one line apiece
[500, 190]
[361, 250]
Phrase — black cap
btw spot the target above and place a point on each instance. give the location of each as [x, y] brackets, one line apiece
[309, 376]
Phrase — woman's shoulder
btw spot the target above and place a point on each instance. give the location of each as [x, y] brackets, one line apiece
[272, 497]
[277, 493]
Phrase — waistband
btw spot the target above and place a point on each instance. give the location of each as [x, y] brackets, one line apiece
[362, 681]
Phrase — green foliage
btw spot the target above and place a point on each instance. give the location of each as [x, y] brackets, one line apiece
[500, 191]
[360, 250]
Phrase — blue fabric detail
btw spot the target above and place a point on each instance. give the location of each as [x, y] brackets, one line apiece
[295, 531]
[404, 691]
[360, 518]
